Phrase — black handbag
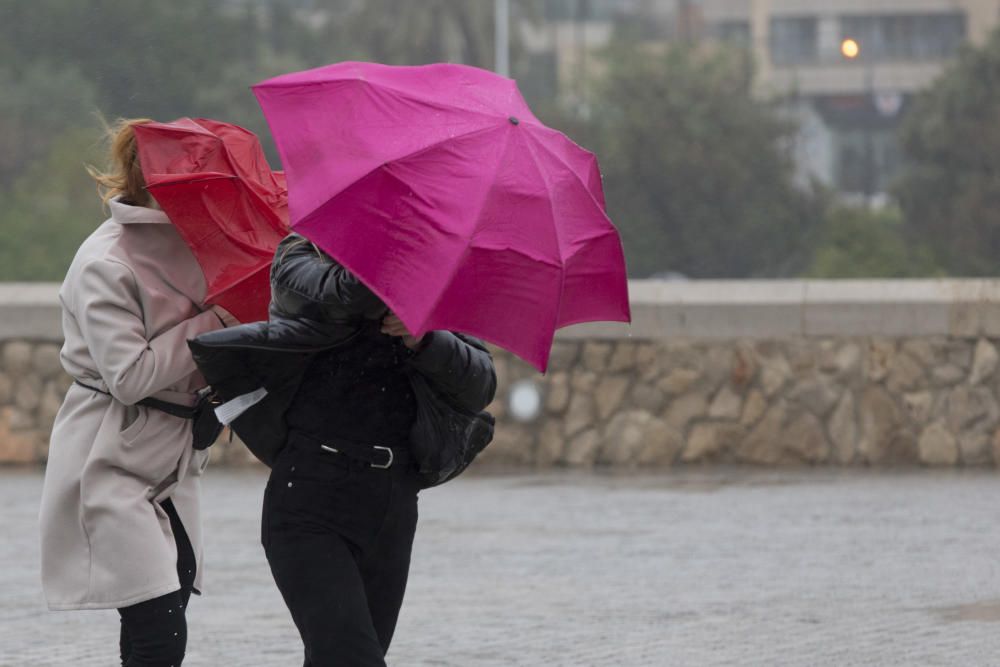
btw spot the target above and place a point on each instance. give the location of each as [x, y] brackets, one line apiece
[445, 439]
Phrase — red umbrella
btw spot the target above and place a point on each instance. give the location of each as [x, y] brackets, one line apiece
[213, 182]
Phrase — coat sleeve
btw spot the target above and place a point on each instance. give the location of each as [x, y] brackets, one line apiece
[306, 283]
[109, 315]
[459, 368]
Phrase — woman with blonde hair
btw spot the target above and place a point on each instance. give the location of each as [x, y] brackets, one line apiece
[120, 526]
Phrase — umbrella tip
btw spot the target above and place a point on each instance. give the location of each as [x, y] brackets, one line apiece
[514, 121]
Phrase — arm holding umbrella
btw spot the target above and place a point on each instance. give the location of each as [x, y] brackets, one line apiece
[457, 366]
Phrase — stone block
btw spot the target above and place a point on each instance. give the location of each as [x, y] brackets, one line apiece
[984, 362]
[16, 357]
[512, 444]
[905, 374]
[580, 415]
[557, 393]
[609, 394]
[583, 381]
[647, 397]
[753, 408]
[19, 443]
[744, 366]
[685, 408]
[878, 359]
[46, 360]
[623, 358]
[937, 446]
[841, 360]
[803, 440]
[678, 380]
[843, 430]
[761, 446]
[712, 441]
[595, 356]
[550, 444]
[564, 356]
[6, 389]
[817, 394]
[947, 374]
[775, 372]
[919, 406]
[727, 404]
[884, 437]
[581, 450]
[975, 447]
[967, 407]
[624, 438]
[28, 392]
[661, 444]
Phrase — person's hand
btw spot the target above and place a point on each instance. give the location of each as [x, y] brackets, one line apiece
[393, 326]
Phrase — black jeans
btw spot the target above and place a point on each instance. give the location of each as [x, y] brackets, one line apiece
[154, 632]
[338, 535]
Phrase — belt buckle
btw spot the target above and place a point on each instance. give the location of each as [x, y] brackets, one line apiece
[388, 463]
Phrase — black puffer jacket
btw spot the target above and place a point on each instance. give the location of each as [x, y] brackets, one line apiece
[316, 305]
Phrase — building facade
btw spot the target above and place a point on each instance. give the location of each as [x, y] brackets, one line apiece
[848, 70]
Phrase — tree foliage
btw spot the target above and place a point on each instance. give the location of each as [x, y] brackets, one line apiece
[697, 174]
[861, 243]
[950, 189]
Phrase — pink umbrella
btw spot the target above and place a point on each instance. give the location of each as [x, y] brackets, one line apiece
[439, 189]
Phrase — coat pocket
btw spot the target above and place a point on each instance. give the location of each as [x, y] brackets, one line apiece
[152, 446]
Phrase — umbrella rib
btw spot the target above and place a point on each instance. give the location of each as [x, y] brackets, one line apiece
[555, 230]
[472, 235]
[575, 175]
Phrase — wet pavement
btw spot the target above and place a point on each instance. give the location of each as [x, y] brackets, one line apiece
[701, 568]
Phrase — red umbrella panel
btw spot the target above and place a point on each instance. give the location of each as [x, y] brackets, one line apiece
[213, 182]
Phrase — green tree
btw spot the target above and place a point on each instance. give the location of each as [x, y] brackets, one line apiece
[696, 170]
[862, 243]
[950, 188]
[50, 209]
[143, 58]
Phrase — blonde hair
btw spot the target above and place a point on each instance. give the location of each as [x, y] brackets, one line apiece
[123, 175]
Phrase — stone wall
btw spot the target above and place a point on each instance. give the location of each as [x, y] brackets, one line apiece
[769, 373]
[874, 401]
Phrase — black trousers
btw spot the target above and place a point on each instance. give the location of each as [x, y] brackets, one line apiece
[154, 632]
[338, 534]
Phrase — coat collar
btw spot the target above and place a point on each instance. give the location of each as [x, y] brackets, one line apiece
[126, 214]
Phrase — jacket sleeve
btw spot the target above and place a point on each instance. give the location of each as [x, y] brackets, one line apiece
[461, 368]
[109, 315]
[305, 283]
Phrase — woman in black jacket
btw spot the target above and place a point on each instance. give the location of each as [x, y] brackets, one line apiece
[333, 366]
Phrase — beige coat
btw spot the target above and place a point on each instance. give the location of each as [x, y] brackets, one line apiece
[130, 302]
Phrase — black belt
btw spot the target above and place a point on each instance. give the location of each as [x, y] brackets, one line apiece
[174, 409]
[376, 456]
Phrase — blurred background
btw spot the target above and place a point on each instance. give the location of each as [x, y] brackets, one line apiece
[738, 138]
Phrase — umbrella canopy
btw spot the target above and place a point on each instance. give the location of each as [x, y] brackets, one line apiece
[439, 188]
[213, 182]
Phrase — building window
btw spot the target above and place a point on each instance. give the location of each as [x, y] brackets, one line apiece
[793, 41]
[733, 32]
[905, 37]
